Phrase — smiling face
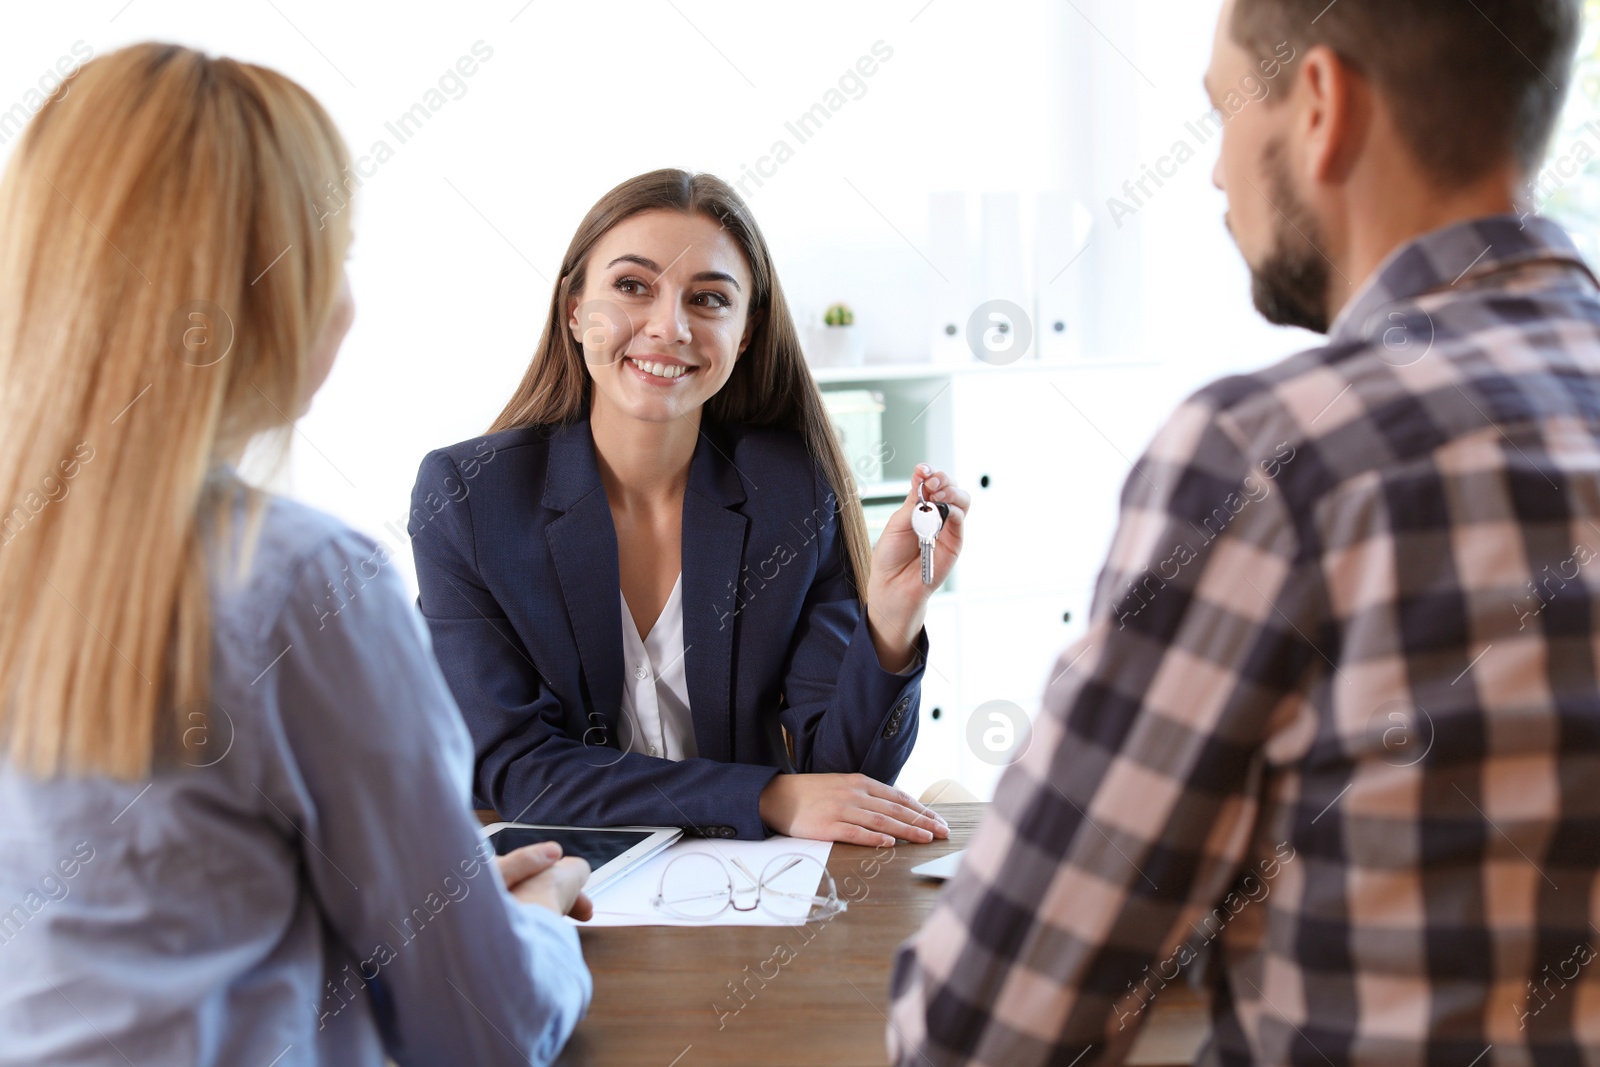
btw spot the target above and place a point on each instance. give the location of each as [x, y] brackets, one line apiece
[663, 315]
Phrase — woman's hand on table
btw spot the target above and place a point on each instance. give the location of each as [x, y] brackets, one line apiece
[897, 599]
[537, 874]
[851, 809]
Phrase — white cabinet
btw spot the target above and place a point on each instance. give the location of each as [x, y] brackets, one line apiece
[1045, 451]
[938, 751]
[1032, 629]
[1014, 446]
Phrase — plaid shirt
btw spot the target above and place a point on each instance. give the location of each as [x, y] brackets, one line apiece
[1330, 748]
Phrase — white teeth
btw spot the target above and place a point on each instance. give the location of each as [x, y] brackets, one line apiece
[662, 370]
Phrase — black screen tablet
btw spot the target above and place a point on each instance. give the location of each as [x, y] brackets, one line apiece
[599, 847]
[610, 851]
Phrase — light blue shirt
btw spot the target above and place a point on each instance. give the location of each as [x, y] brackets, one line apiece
[310, 888]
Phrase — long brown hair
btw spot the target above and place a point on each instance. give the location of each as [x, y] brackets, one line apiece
[770, 384]
[166, 201]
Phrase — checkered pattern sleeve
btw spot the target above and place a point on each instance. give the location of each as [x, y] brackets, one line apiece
[1133, 811]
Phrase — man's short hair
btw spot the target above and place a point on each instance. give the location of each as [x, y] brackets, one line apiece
[1471, 83]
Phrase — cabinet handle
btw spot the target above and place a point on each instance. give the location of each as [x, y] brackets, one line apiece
[1066, 616]
[983, 480]
[935, 713]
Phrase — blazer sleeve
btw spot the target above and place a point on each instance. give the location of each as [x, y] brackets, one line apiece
[531, 757]
[843, 710]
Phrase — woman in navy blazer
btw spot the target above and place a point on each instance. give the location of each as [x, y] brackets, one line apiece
[668, 441]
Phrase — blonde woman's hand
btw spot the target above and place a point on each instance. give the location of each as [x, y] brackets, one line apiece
[537, 874]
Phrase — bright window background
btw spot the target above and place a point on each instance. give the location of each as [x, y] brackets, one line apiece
[1569, 186]
[460, 231]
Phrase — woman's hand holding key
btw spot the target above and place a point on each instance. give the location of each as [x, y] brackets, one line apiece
[897, 595]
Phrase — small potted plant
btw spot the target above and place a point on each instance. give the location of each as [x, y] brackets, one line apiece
[838, 342]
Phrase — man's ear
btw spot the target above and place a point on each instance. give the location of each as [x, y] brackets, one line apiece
[1335, 104]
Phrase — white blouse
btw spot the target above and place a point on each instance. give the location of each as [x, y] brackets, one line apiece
[655, 686]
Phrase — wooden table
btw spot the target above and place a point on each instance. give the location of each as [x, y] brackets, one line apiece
[666, 996]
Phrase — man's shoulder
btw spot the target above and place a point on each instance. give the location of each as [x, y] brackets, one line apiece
[1249, 397]
[1287, 424]
[1238, 419]
[1440, 374]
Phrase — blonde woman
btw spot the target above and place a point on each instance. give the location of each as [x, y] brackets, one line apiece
[236, 824]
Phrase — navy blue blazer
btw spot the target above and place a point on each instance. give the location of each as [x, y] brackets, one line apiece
[517, 566]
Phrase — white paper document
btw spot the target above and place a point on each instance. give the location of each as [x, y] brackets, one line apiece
[626, 901]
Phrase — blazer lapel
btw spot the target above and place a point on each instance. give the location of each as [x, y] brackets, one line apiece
[583, 544]
[713, 558]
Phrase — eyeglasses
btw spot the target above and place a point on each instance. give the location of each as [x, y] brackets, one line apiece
[698, 885]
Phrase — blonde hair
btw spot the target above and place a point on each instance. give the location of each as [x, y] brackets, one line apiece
[164, 273]
[771, 385]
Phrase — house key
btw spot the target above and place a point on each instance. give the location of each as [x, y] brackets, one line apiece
[926, 521]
